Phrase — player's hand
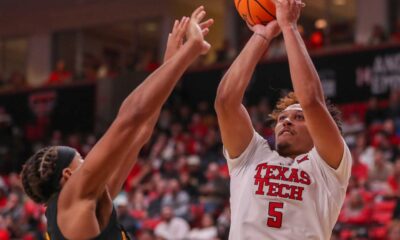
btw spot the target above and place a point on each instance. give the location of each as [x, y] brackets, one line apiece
[175, 38]
[197, 29]
[269, 31]
[288, 12]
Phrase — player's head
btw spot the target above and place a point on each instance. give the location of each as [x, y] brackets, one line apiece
[47, 171]
[291, 133]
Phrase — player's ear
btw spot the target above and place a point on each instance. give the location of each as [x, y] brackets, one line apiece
[66, 174]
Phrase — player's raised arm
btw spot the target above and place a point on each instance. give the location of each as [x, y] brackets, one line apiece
[135, 121]
[234, 121]
[307, 87]
[174, 44]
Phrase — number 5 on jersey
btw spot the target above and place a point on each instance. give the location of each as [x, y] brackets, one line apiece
[275, 214]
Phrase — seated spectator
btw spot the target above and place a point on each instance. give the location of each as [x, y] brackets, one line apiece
[177, 199]
[359, 170]
[156, 194]
[148, 61]
[380, 172]
[13, 214]
[395, 36]
[139, 204]
[124, 217]
[389, 129]
[3, 194]
[4, 234]
[171, 227]
[366, 152]
[383, 141]
[374, 113]
[60, 75]
[393, 110]
[146, 235]
[207, 231]
[394, 231]
[394, 179]
[355, 210]
[351, 127]
[215, 191]
[17, 80]
[378, 35]
[355, 215]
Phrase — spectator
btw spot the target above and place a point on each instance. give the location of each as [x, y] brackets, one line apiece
[171, 227]
[356, 215]
[374, 114]
[394, 231]
[351, 127]
[177, 199]
[13, 215]
[366, 152]
[3, 194]
[4, 234]
[17, 80]
[148, 62]
[382, 141]
[146, 235]
[395, 36]
[215, 191]
[378, 35]
[380, 172]
[393, 110]
[394, 179]
[60, 75]
[208, 230]
[359, 170]
[124, 217]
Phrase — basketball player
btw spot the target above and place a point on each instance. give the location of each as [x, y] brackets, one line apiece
[78, 193]
[297, 191]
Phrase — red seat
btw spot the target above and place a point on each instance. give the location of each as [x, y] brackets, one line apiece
[346, 234]
[378, 233]
[382, 217]
[385, 206]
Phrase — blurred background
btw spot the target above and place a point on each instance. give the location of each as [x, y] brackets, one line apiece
[66, 65]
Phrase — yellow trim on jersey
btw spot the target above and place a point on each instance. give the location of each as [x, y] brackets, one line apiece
[124, 236]
[46, 236]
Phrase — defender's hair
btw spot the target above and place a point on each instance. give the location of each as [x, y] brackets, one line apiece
[37, 175]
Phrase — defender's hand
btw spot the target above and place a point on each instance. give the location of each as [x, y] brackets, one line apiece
[197, 30]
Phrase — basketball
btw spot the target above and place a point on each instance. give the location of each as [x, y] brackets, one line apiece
[256, 11]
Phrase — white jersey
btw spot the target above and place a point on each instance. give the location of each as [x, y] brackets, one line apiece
[278, 198]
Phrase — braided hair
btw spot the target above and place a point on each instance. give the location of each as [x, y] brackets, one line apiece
[37, 175]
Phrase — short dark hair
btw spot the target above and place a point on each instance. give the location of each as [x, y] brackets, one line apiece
[37, 175]
[291, 98]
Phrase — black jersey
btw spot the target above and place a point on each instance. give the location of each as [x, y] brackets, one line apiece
[113, 230]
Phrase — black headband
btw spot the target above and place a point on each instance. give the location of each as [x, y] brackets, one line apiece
[65, 155]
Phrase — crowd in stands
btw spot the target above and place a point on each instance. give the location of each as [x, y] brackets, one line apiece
[179, 188]
[99, 66]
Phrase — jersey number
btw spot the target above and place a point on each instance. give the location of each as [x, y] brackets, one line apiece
[274, 215]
